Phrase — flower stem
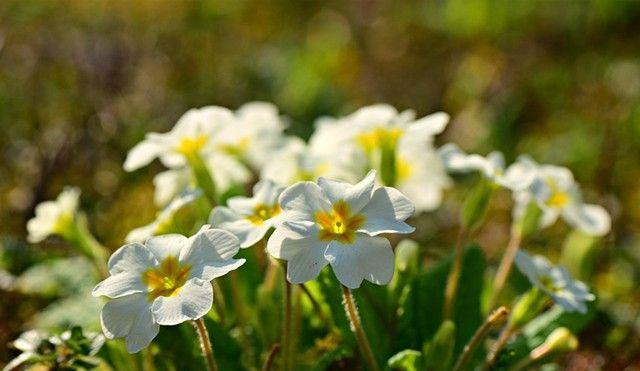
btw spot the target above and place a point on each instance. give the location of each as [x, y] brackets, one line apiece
[268, 363]
[454, 274]
[356, 326]
[480, 334]
[286, 325]
[205, 344]
[505, 266]
[505, 335]
[79, 236]
[202, 177]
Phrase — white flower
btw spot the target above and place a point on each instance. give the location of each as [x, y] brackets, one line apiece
[226, 172]
[54, 217]
[28, 343]
[516, 177]
[398, 146]
[331, 222]
[557, 194]
[256, 133]
[192, 134]
[166, 281]
[164, 218]
[571, 295]
[250, 218]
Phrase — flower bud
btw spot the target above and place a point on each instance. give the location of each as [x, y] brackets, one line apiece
[476, 204]
[561, 340]
[528, 307]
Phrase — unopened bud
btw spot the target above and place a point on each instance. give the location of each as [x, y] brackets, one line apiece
[561, 340]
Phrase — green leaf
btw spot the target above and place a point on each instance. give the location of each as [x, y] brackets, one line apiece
[420, 311]
[57, 277]
[328, 359]
[406, 360]
[536, 331]
[77, 310]
[438, 352]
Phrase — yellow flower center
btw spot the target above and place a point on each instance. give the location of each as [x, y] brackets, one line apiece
[190, 146]
[547, 283]
[380, 137]
[167, 279]
[339, 224]
[558, 197]
[312, 174]
[262, 212]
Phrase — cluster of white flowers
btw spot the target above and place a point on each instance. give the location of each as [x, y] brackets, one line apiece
[305, 207]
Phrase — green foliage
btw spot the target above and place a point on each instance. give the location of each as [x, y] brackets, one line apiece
[407, 360]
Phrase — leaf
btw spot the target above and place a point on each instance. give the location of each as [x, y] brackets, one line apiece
[77, 310]
[420, 311]
[406, 360]
[56, 277]
[328, 359]
[536, 331]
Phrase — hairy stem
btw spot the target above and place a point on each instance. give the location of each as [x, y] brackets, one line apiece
[505, 266]
[505, 335]
[268, 363]
[205, 344]
[356, 326]
[454, 274]
[493, 319]
[286, 325]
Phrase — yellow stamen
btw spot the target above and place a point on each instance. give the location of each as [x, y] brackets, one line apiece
[263, 212]
[167, 279]
[558, 197]
[404, 170]
[339, 224]
[237, 149]
[190, 146]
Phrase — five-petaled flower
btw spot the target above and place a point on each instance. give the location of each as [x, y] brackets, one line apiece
[165, 281]
[54, 217]
[570, 294]
[336, 223]
[250, 218]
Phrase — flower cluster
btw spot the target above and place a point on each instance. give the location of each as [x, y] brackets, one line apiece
[331, 201]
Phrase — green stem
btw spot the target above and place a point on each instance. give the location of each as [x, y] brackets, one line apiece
[480, 334]
[205, 344]
[361, 337]
[454, 274]
[268, 363]
[328, 322]
[286, 325]
[504, 337]
[78, 235]
[203, 177]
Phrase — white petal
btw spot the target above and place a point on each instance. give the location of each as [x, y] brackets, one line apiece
[242, 205]
[168, 184]
[129, 317]
[121, 284]
[388, 203]
[591, 219]
[166, 245]
[291, 238]
[131, 258]
[429, 126]
[519, 175]
[369, 258]
[247, 233]
[357, 196]
[221, 214]
[210, 245]
[307, 264]
[456, 160]
[267, 192]
[141, 234]
[142, 154]
[193, 300]
[302, 200]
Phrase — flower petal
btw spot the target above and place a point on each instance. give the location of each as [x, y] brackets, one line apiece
[428, 126]
[131, 258]
[302, 200]
[369, 258]
[267, 192]
[291, 238]
[210, 254]
[386, 212]
[193, 300]
[129, 316]
[142, 154]
[591, 219]
[166, 245]
[143, 331]
[307, 264]
[357, 196]
[121, 284]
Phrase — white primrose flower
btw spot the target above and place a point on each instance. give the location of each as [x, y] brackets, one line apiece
[517, 176]
[557, 194]
[226, 172]
[394, 143]
[336, 223]
[256, 133]
[54, 217]
[28, 343]
[164, 217]
[165, 281]
[570, 294]
[192, 134]
[250, 218]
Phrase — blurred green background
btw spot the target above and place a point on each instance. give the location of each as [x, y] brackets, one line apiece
[82, 81]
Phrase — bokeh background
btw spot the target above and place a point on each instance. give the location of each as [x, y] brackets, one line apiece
[82, 81]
